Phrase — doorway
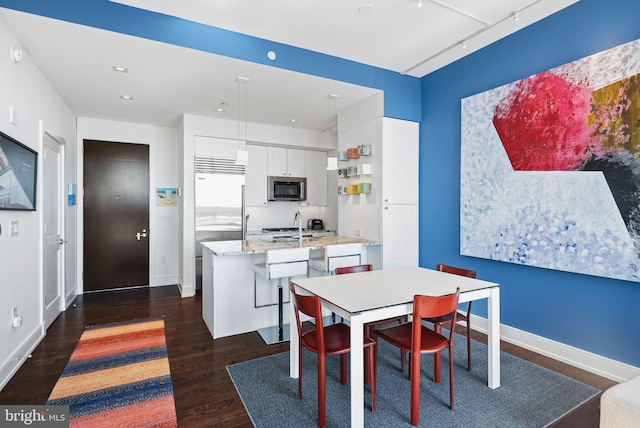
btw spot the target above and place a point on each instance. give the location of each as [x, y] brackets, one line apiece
[116, 215]
[53, 229]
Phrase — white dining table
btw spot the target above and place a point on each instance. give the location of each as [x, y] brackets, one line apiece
[363, 297]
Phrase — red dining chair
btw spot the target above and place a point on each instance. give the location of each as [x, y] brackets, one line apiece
[446, 319]
[369, 327]
[333, 339]
[416, 339]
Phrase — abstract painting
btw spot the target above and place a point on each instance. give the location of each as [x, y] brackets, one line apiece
[550, 168]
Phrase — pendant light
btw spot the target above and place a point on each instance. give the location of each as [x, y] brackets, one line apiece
[332, 162]
[242, 156]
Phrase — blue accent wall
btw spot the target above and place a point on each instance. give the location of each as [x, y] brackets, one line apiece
[402, 92]
[591, 313]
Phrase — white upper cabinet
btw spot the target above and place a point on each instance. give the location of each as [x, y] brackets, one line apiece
[284, 162]
[281, 162]
[400, 161]
[256, 176]
[217, 147]
[316, 164]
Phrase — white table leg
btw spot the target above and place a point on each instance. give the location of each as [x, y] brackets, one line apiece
[293, 343]
[357, 373]
[493, 310]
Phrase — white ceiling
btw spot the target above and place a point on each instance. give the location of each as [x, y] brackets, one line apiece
[392, 34]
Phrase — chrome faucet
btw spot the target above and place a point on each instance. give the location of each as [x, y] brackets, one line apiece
[297, 221]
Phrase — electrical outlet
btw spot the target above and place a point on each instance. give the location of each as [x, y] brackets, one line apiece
[358, 232]
[16, 319]
[14, 228]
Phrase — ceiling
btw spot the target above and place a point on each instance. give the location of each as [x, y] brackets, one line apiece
[398, 35]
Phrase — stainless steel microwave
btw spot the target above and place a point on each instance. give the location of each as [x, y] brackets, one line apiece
[287, 189]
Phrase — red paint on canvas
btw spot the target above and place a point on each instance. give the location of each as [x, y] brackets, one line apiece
[542, 124]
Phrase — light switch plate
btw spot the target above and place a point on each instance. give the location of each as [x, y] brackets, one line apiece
[14, 228]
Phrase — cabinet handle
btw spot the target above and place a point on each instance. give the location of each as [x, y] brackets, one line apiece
[386, 200]
[386, 208]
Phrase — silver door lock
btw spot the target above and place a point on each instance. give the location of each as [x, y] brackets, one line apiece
[141, 235]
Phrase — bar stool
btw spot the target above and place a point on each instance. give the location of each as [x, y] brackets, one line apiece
[335, 256]
[338, 255]
[281, 264]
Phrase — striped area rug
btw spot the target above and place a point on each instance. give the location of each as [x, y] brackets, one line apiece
[118, 376]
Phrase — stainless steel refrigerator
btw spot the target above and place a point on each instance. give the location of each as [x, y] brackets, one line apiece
[219, 200]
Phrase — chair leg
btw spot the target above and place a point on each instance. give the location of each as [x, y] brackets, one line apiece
[468, 345]
[372, 375]
[414, 369]
[300, 369]
[451, 378]
[343, 369]
[436, 358]
[368, 331]
[322, 378]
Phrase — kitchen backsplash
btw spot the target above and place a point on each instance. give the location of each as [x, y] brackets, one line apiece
[280, 214]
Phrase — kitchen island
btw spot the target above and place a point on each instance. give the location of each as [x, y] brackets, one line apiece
[230, 302]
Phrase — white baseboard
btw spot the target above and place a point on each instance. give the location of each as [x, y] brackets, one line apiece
[161, 281]
[186, 290]
[597, 364]
[21, 355]
[69, 300]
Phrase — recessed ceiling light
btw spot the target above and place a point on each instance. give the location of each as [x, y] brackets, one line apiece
[293, 120]
[367, 8]
[126, 97]
[219, 109]
[120, 69]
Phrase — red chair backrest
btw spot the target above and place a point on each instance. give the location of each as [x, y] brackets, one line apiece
[456, 270]
[310, 306]
[431, 307]
[354, 269]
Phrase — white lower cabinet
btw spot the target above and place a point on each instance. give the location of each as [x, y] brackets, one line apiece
[399, 236]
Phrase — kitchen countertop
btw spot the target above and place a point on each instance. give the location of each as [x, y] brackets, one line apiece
[262, 234]
[235, 248]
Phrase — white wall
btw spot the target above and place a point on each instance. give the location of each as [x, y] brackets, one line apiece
[362, 124]
[37, 108]
[163, 172]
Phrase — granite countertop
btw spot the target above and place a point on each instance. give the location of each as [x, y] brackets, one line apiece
[268, 234]
[235, 248]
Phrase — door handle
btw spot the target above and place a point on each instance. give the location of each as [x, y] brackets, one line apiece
[62, 242]
[141, 235]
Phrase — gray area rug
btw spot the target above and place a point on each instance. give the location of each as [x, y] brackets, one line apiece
[529, 395]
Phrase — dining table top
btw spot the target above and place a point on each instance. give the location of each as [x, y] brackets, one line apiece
[363, 291]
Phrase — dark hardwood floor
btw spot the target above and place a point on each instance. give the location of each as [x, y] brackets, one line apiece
[204, 393]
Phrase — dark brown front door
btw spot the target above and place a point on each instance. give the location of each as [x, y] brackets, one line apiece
[116, 215]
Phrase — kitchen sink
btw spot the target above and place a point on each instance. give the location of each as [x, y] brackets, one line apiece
[289, 239]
